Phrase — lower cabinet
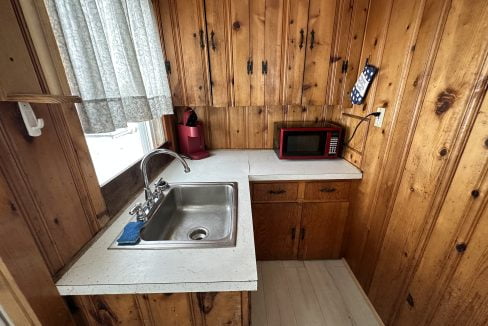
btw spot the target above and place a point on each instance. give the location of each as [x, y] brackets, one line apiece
[299, 220]
[322, 229]
[276, 228]
[182, 309]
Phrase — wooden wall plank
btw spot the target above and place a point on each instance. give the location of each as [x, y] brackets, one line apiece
[315, 113]
[294, 113]
[218, 128]
[20, 254]
[14, 304]
[241, 52]
[466, 298]
[256, 127]
[237, 127]
[274, 113]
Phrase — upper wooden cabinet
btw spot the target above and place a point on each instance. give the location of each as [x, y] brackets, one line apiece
[260, 52]
[217, 18]
[185, 42]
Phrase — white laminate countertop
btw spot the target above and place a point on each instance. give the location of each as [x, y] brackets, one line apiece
[117, 271]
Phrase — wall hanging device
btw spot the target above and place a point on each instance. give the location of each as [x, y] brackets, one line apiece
[361, 87]
[32, 124]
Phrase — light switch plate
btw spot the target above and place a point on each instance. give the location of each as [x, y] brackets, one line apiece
[378, 121]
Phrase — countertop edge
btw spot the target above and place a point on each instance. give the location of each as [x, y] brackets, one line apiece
[113, 289]
[295, 177]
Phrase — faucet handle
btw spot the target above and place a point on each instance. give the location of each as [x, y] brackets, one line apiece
[161, 185]
[139, 210]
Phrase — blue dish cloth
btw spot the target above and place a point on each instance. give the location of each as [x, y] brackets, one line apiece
[131, 234]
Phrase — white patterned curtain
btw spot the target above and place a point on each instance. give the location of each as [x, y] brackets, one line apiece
[113, 58]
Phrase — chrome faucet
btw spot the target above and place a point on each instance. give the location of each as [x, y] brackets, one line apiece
[161, 185]
[142, 209]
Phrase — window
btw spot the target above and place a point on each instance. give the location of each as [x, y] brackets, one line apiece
[113, 152]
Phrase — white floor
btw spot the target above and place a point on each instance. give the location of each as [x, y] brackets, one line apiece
[314, 292]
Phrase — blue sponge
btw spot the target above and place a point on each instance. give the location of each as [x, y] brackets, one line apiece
[131, 234]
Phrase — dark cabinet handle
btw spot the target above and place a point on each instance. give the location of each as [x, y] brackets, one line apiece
[328, 189]
[212, 41]
[302, 234]
[301, 38]
[202, 43]
[249, 67]
[312, 39]
[277, 192]
[264, 67]
[293, 231]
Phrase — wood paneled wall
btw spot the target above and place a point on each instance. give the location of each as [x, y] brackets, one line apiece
[50, 197]
[417, 230]
[416, 236]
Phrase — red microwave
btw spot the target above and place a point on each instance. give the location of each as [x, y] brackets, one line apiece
[307, 140]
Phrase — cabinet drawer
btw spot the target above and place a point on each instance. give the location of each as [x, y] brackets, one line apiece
[327, 191]
[276, 191]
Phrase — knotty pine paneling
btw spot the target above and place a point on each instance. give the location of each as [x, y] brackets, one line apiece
[410, 211]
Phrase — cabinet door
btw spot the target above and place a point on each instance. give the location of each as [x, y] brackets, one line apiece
[172, 58]
[256, 44]
[217, 18]
[242, 66]
[322, 229]
[317, 57]
[190, 25]
[273, 40]
[276, 229]
[295, 47]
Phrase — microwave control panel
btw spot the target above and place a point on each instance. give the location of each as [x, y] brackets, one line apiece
[334, 142]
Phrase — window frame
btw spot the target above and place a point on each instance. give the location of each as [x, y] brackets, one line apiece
[119, 190]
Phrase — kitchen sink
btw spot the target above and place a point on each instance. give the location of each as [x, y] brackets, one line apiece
[191, 215]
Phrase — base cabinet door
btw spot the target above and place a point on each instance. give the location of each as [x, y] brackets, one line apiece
[321, 231]
[276, 227]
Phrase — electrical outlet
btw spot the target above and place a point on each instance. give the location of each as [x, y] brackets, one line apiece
[378, 121]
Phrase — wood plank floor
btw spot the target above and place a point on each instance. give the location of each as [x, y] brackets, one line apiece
[308, 293]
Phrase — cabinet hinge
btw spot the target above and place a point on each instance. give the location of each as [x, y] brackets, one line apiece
[167, 65]
[345, 66]
[264, 67]
[249, 66]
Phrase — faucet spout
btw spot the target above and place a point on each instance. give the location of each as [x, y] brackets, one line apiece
[145, 160]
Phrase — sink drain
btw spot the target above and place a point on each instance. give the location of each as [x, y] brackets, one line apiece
[198, 234]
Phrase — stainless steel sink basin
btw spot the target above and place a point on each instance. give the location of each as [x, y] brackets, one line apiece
[192, 215]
